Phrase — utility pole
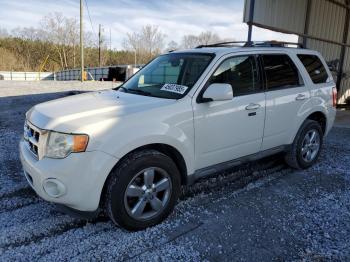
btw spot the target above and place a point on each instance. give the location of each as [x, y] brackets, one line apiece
[110, 46]
[99, 45]
[81, 43]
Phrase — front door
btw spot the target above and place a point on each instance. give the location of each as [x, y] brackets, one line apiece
[226, 130]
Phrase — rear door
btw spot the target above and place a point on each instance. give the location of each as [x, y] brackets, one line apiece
[226, 130]
[286, 94]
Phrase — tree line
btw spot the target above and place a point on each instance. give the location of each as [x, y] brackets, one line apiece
[54, 45]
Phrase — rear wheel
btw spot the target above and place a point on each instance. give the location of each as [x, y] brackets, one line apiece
[306, 147]
[143, 190]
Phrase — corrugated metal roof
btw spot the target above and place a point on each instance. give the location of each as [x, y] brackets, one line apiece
[326, 21]
[286, 14]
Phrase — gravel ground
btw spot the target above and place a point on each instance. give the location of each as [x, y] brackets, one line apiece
[258, 212]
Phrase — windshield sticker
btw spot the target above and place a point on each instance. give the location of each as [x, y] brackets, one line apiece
[174, 88]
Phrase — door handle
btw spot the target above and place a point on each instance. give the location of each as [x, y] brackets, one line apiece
[252, 106]
[300, 97]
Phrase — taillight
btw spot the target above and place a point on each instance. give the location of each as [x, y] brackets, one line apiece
[334, 96]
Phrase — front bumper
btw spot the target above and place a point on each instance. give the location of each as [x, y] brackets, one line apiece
[80, 177]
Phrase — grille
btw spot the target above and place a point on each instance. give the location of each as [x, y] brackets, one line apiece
[32, 137]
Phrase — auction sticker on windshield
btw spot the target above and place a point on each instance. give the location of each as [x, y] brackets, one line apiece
[179, 89]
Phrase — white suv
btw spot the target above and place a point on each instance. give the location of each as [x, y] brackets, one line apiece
[185, 115]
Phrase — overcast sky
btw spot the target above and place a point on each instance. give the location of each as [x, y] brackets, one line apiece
[175, 18]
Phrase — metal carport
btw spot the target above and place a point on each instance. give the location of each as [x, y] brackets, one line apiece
[322, 25]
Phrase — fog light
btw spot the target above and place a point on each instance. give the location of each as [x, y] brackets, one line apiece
[54, 188]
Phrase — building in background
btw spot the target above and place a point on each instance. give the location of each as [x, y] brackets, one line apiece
[322, 25]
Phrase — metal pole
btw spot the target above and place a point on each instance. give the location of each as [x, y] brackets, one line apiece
[250, 22]
[81, 43]
[307, 22]
[110, 46]
[343, 49]
[135, 58]
[99, 45]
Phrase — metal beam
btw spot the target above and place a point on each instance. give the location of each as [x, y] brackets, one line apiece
[251, 18]
[343, 48]
[299, 34]
[307, 21]
[346, 6]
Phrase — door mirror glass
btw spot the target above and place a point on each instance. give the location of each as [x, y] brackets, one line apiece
[218, 92]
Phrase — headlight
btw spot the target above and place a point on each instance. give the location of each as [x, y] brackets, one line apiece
[60, 145]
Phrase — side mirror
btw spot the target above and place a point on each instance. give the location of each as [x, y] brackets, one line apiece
[218, 92]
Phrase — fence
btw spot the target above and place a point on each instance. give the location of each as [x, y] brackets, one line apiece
[111, 73]
[96, 73]
[74, 74]
[26, 76]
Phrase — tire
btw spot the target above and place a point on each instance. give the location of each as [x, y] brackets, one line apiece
[131, 189]
[298, 157]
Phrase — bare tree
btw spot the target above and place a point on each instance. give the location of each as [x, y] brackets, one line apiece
[204, 38]
[133, 43]
[28, 33]
[63, 32]
[189, 41]
[153, 40]
[145, 44]
[207, 38]
[172, 45]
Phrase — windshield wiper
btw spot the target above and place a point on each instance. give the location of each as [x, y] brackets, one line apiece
[121, 88]
[139, 91]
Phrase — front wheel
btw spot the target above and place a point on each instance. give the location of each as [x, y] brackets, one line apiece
[143, 190]
[306, 147]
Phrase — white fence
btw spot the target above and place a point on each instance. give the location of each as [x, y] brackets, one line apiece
[26, 76]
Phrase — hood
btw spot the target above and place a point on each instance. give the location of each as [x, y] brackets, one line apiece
[70, 113]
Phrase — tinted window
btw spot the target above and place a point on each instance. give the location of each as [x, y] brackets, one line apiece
[240, 72]
[280, 71]
[315, 68]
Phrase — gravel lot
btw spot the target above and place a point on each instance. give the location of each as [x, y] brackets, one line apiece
[262, 212]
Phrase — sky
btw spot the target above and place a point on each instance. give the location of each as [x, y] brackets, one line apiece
[175, 18]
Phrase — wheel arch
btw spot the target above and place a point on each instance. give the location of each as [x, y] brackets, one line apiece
[166, 149]
[317, 115]
[171, 152]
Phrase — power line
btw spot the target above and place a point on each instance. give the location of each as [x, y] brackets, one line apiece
[88, 11]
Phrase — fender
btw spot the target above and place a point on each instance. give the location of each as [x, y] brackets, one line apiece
[304, 112]
[134, 144]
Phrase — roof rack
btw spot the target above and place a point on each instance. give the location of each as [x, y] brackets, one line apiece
[223, 44]
[272, 43]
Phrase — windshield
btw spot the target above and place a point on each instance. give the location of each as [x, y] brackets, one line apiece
[168, 76]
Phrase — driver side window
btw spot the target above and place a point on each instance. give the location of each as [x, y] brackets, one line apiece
[240, 72]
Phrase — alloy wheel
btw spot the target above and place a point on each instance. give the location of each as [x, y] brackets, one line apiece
[148, 193]
[310, 145]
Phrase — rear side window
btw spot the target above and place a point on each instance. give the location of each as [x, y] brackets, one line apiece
[240, 72]
[280, 72]
[315, 68]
